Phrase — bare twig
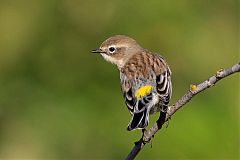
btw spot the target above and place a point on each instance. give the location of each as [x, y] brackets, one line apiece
[194, 90]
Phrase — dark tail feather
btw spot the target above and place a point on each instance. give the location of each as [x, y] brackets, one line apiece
[161, 119]
[139, 120]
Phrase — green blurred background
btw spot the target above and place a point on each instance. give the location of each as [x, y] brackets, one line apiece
[59, 101]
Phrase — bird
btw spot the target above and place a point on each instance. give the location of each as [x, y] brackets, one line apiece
[145, 79]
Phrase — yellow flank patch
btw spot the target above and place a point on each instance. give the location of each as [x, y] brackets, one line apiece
[141, 92]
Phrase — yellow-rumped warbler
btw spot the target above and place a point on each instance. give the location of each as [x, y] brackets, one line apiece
[145, 78]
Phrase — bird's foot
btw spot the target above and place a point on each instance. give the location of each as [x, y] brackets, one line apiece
[151, 141]
[168, 122]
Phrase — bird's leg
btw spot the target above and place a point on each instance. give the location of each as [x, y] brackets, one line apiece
[151, 141]
[143, 130]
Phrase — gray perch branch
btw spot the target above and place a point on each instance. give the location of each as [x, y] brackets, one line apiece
[194, 90]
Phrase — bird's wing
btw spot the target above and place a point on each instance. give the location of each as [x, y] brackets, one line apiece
[164, 84]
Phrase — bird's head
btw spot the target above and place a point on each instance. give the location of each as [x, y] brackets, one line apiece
[118, 49]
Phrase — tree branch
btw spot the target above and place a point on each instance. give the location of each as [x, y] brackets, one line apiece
[194, 90]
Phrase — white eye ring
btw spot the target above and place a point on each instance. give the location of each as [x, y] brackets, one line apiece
[111, 49]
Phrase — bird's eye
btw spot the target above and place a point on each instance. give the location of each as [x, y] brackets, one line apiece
[111, 49]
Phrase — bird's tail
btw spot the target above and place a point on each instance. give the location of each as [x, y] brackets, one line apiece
[161, 119]
[139, 120]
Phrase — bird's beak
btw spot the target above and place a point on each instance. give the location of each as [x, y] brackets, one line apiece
[98, 51]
